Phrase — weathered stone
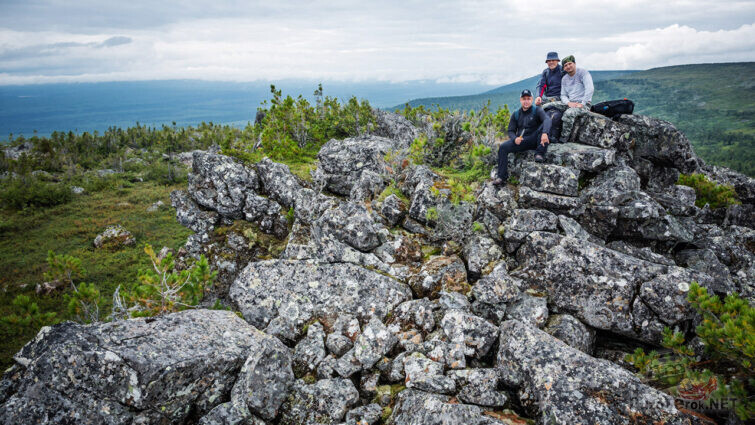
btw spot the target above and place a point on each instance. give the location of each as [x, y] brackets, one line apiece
[571, 331]
[677, 200]
[427, 375]
[324, 402]
[369, 185]
[278, 182]
[477, 334]
[310, 205]
[416, 313]
[705, 261]
[365, 415]
[478, 386]
[527, 221]
[562, 385]
[190, 215]
[266, 213]
[114, 237]
[352, 224]
[374, 342]
[597, 130]
[393, 209]
[296, 291]
[582, 157]
[526, 308]
[394, 126]
[659, 141]
[529, 198]
[343, 161]
[133, 371]
[415, 407]
[499, 200]
[220, 183]
[550, 178]
[440, 273]
[310, 351]
[479, 252]
[644, 253]
[265, 378]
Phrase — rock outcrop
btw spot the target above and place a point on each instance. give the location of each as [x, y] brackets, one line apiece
[412, 308]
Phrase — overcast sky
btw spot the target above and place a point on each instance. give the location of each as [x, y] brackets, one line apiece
[494, 42]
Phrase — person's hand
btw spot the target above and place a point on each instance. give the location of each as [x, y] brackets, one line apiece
[544, 139]
[574, 105]
[518, 140]
[538, 101]
[578, 105]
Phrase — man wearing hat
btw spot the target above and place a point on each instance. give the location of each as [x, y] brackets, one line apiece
[549, 87]
[576, 93]
[528, 129]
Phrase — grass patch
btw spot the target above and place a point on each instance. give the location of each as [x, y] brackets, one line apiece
[70, 229]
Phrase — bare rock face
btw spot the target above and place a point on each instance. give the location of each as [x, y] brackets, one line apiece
[559, 384]
[132, 371]
[221, 183]
[660, 141]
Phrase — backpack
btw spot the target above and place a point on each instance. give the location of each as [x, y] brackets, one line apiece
[612, 108]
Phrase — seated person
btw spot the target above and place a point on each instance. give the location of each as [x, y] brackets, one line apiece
[576, 93]
[528, 130]
[549, 87]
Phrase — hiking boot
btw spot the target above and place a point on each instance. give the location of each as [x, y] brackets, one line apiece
[498, 181]
[539, 158]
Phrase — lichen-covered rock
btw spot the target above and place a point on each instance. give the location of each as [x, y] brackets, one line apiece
[414, 407]
[454, 222]
[324, 402]
[267, 214]
[310, 351]
[114, 237]
[220, 183]
[530, 309]
[524, 220]
[374, 342]
[477, 334]
[581, 157]
[479, 253]
[265, 378]
[550, 178]
[562, 385]
[133, 371]
[742, 184]
[342, 162]
[644, 253]
[352, 224]
[598, 284]
[479, 386]
[705, 261]
[310, 205]
[676, 199]
[393, 209]
[570, 330]
[231, 413]
[500, 201]
[278, 182]
[597, 130]
[440, 273]
[659, 141]
[369, 185]
[365, 415]
[190, 215]
[282, 295]
[493, 292]
[416, 313]
[529, 198]
[427, 375]
[394, 126]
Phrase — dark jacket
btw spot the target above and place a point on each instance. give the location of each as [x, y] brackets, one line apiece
[527, 124]
[552, 81]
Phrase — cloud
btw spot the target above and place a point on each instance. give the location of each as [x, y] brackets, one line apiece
[484, 40]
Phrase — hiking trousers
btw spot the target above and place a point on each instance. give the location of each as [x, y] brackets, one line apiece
[531, 142]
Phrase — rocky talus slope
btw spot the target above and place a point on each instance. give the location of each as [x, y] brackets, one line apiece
[373, 311]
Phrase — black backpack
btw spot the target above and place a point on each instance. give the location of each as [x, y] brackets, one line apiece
[612, 108]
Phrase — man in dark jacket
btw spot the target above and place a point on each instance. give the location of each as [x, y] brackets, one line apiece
[549, 86]
[528, 130]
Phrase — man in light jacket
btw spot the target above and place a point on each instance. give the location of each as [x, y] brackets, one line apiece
[576, 92]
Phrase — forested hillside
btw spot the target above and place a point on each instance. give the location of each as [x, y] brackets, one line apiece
[712, 104]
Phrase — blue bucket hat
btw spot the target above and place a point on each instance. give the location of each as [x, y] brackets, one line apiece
[552, 56]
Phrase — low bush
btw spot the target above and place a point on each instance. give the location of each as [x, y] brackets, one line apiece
[708, 192]
[20, 193]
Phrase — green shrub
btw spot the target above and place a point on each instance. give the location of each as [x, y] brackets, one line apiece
[727, 332]
[63, 268]
[708, 192]
[28, 316]
[27, 192]
[85, 304]
[165, 173]
[163, 289]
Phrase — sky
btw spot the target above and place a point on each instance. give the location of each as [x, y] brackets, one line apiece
[491, 42]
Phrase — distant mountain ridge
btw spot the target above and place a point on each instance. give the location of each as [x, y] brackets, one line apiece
[713, 104]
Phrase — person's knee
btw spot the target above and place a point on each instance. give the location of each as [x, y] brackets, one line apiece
[505, 147]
